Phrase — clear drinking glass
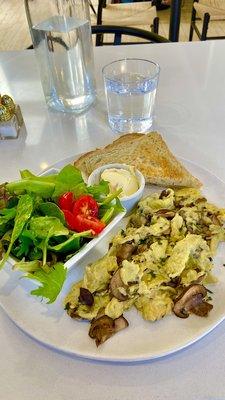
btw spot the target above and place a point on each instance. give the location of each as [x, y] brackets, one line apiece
[130, 87]
[61, 35]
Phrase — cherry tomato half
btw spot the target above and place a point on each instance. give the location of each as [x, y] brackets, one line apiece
[86, 206]
[82, 223]
[69, 217]
[66, 201]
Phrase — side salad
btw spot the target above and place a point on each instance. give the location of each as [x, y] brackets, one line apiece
[45, 220]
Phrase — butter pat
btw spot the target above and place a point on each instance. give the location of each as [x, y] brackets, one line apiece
[119, 178]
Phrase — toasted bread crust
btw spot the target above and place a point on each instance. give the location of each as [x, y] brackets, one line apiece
[148, 153]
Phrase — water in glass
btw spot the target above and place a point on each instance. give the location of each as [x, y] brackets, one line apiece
[64, 53]
[130, 98]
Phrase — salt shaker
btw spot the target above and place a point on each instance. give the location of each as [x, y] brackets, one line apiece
[11, 119]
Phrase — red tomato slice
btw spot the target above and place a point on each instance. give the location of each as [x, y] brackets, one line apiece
[69, 217]
[86, 206]
[66, 201]
[81, 223]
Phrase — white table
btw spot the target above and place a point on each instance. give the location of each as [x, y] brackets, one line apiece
[191, 116]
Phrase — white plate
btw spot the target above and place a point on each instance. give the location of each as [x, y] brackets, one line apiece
[142, 340]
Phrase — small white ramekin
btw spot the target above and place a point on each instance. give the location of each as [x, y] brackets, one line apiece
[128, 202]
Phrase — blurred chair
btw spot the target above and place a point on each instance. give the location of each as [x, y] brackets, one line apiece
[92, 7]
[119, 31]
[208, 11]
[141, 15]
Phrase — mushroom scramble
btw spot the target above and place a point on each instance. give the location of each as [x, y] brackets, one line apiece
[166, 248]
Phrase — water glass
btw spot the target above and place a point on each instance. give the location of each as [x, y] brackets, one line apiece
[61, 35]
[130, 87]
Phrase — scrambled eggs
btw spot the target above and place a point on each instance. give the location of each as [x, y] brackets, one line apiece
[167, 246]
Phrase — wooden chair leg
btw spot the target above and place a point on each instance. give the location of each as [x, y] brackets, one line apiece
[205, 26]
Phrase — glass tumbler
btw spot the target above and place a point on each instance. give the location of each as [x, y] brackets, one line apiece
[130, 87]
[61, 35]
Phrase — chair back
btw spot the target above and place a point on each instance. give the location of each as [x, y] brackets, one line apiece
[119, 31]
[129, 14]
[215, 8]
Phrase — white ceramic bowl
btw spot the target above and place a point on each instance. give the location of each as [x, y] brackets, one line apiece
[128, 202]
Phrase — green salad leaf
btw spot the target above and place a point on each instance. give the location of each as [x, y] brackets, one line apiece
[33, 228]
[26, 174]
[99, 191]
[67, 181]
[71, 244]
[41, 188]
[3, 196]
[51, 282]
[6, 215]
[27, 266]
[23, 213]
[52, 210]
[43, 227]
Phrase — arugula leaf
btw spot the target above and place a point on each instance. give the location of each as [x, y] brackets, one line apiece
[41, 188]
[118, 207]
[3, 196]
[99, 191]
[71, 244]
[23, 213]
[35, 254]
[26, 174]
[80, 189]
[27, 266]
[43, 227]
[23, 247]
[105, 210]
[67, 180]
[108, 215]
[52, 210]
[12, 202]
[6, 215]
[51, 282]
[111, 196]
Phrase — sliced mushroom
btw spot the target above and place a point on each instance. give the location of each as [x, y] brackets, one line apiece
[101, 329]
[165, 213]
[200, 200]
[200, 279]
[120, 323]
[116, 283]
[125, 251]
[104, 327]
[72, 312]
[174, 282]
[141, 248]
[137, 220]
[215, 220]
[189, 300]
[86, 297]
[164, 193]
[202, 309]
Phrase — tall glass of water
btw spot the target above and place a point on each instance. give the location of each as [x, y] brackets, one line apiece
[130, 87]
[61, 35]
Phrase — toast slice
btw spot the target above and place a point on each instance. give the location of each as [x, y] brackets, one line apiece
[148, 153]
[84, 162]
